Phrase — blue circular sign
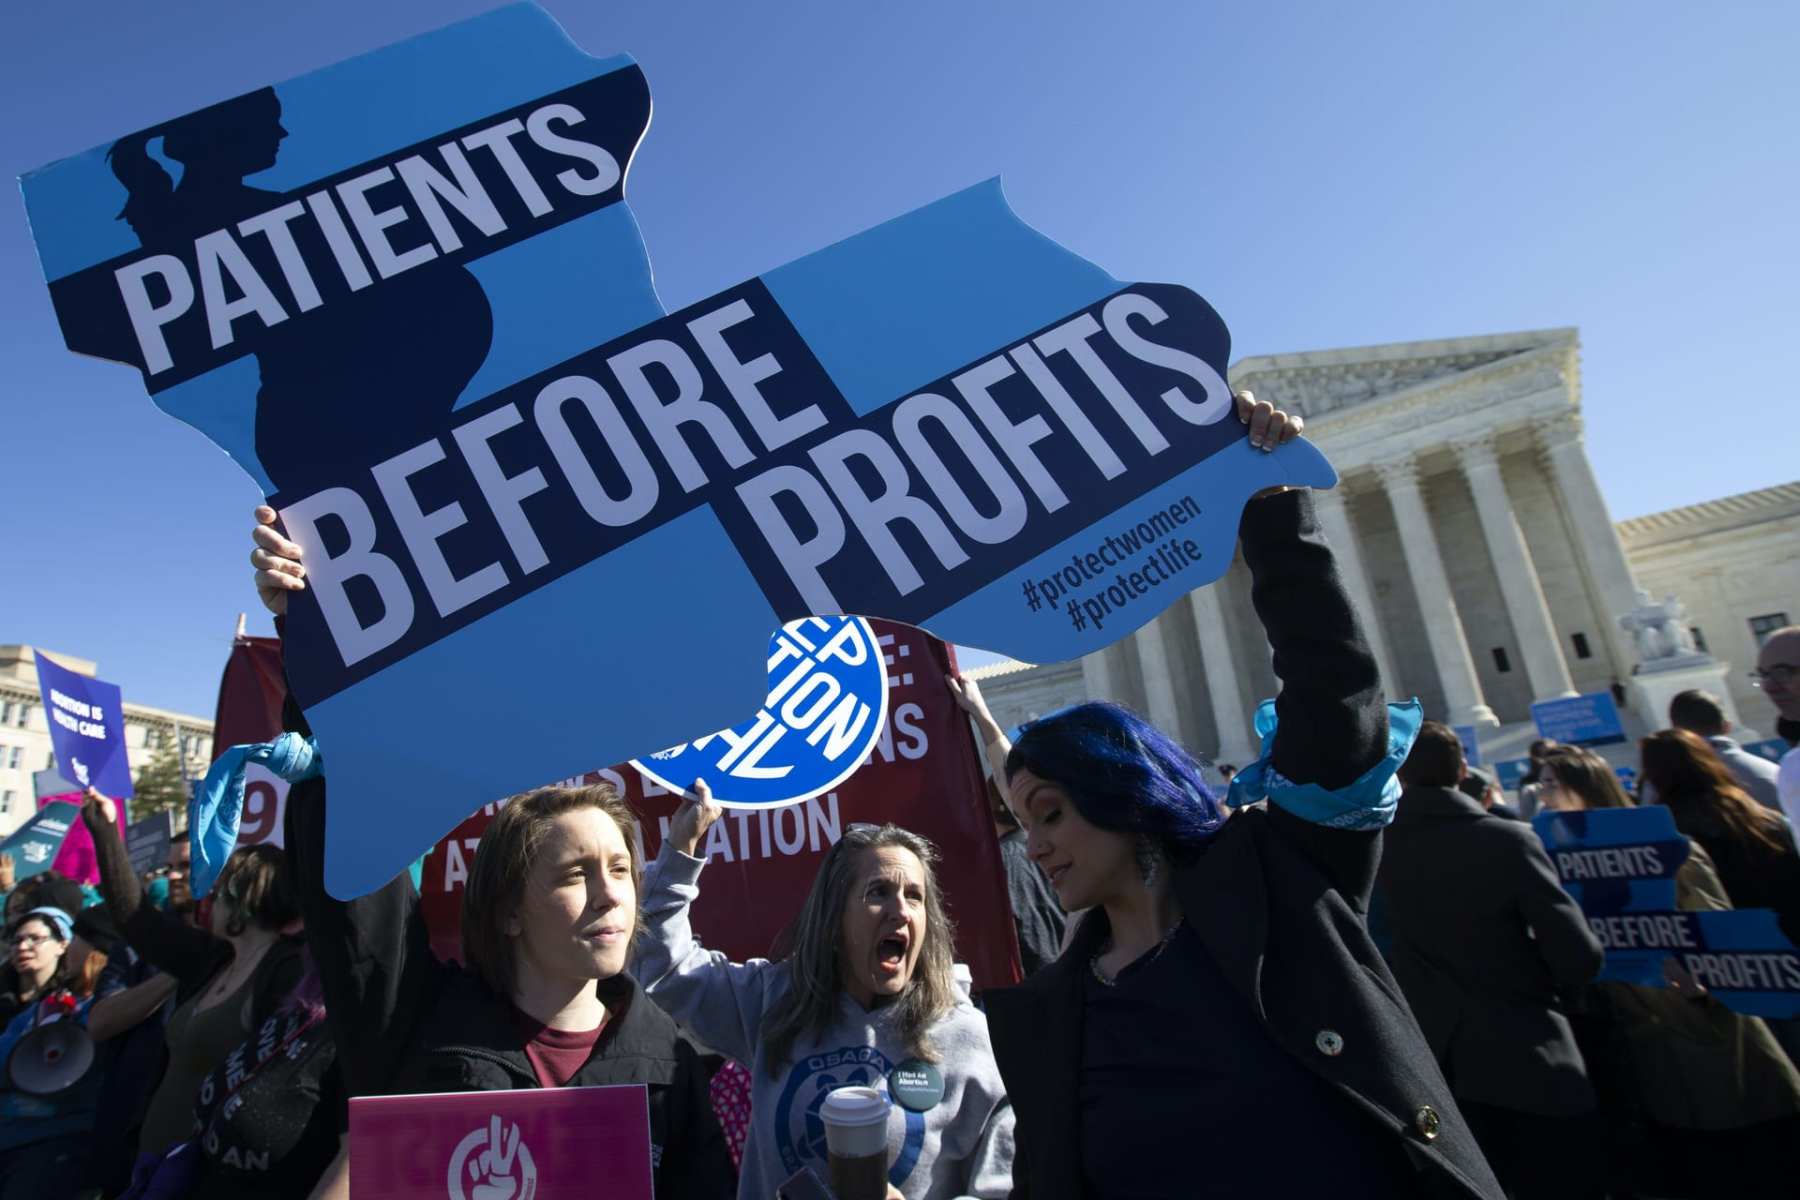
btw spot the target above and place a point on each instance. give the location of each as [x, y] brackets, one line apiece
[827, 706]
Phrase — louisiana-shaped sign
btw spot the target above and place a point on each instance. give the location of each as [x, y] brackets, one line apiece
[573, 524]
[313, 270]
[826, 707]
[1620, 865]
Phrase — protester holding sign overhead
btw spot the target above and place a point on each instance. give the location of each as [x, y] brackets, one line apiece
[1222, 1023]
[235, 997]
[865, 997]
[549, 918]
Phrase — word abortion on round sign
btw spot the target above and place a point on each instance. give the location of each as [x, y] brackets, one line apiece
[826, 708]
[1620, 866]
[407, 295]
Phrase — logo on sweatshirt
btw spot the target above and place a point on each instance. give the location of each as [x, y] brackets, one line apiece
[493, 1163]
[800, 1133]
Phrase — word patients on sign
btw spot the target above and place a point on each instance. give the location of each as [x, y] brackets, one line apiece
[826, 708]
[311, 270]
[535, 1144]
[87, 728]
[1620, 865]
[406, 294]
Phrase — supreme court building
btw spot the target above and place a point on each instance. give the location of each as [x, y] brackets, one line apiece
[1471, 533]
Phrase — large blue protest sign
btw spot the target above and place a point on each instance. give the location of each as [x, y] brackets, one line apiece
[1620, 864]
[34, 844]
[1591, 720]
[87, 728]
[580, 542]
[1061, 467]
[826, 707]
[316, 269]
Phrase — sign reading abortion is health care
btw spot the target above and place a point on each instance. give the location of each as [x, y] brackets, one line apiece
[87, 728]
[1620, 865]
[490, 443]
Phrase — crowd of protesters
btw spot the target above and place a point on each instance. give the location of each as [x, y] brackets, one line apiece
[1351, 971]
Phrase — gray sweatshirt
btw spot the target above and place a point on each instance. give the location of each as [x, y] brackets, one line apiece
[963, 1147]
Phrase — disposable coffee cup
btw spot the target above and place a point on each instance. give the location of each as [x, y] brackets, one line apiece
[856, 1120]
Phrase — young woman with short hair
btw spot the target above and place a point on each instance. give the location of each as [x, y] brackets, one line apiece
[549, 917]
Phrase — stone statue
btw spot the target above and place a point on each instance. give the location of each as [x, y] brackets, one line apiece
[1660, 630]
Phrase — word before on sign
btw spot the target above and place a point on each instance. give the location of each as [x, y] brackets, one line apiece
[638, 431]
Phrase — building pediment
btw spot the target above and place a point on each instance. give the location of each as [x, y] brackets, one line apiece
[1318, 382]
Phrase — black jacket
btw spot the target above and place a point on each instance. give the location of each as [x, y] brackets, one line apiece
[1279, 904]
[190, 954]
[1485, 938]
[407, 1023]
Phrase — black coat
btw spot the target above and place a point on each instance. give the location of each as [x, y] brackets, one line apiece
[408, 1023]
[1484, 940]
[1280, 905]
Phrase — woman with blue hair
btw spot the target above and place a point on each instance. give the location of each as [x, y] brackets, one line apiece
[1220, 1023]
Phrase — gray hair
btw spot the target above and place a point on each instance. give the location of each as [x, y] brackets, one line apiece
[811, 1004]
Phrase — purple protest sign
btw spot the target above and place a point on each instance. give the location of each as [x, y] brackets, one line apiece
[87, 728]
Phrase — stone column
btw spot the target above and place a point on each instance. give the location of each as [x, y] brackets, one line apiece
[1097, 676]
[1159, 679]
[1333, 507]
[1443, 625]
[1231, 712]
[1602, 555]
[1539, 644]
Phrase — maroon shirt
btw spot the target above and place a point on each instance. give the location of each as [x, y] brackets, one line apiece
[556, 1054]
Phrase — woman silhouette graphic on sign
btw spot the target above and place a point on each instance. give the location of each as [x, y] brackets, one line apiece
[364, 374]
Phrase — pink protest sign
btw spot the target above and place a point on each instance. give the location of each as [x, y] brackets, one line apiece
[76, 858]
[535, 1144]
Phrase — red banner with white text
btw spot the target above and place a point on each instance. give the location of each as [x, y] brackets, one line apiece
[925, 775]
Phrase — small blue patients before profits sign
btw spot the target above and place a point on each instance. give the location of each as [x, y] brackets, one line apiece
[1621, 865]
[825, 710]
[1580, 720]
[87, 728]
[414, 305]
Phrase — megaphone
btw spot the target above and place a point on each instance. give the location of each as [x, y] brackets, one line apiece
[51, 1060]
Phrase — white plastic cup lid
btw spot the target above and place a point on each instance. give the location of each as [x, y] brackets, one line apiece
[855, 1120]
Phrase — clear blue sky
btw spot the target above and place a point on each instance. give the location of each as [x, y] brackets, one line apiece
[1325, 174]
